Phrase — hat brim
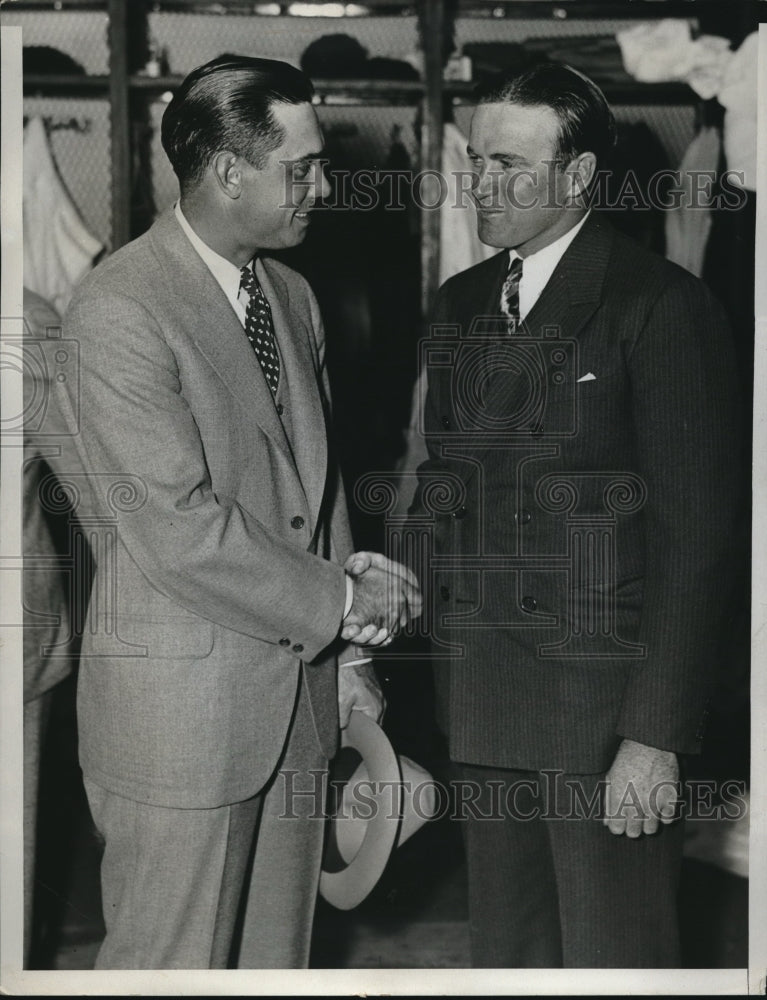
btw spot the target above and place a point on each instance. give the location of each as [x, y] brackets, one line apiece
[347, 888]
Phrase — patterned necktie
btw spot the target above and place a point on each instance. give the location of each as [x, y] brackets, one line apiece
[510, 294]
[260, 328]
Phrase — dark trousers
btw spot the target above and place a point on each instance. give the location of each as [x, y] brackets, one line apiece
[550, 887]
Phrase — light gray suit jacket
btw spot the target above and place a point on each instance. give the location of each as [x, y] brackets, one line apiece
[217, 526]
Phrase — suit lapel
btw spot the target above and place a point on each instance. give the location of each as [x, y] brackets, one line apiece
[565, 305]
[574, 290]
[205, 312]
[307, 417]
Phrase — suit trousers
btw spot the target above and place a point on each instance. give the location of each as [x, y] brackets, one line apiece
[229, 887]
[550, 886]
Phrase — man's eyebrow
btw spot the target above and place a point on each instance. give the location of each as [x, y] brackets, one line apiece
[515, 157]
[499, 155]
[308, 157]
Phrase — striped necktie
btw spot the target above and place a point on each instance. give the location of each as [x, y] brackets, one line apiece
[510, 294]
[260, 328]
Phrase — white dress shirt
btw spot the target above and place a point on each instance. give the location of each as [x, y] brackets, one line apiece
[539, 267]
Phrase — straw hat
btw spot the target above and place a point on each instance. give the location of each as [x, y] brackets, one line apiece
[385, 801]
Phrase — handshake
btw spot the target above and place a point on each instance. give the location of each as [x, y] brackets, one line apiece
[386, 598]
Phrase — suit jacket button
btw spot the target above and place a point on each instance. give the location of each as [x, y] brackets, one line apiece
[524, 516]
[297, 522]
[280, 409]
[446, 423]
[285, 642]
[298, 648]
[444, 593]
[529, 604]
[460, 514]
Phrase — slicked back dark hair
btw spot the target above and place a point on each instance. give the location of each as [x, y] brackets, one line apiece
[227, 104]
[586, 123]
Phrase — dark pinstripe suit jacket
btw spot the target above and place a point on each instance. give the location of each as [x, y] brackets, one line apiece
[582, 548]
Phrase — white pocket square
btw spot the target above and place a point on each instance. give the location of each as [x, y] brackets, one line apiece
[588, 377]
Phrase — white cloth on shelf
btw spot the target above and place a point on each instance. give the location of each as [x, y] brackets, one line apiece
[688, 224]
[58, 249]
[738, 95]
[665, 50]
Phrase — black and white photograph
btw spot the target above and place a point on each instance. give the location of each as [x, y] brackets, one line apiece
[383, 546]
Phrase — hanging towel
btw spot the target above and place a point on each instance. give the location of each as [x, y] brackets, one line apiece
[58, 249]
[688, 225]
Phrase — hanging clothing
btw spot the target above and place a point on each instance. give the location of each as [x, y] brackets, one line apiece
[688, 225]
[739, 95]
[58, 249]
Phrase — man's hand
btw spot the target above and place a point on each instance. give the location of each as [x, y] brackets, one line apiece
[358, 562]
[642, 789]
[358, 688]
[386, 597]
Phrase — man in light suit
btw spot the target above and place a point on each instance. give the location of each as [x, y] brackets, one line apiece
[214, 663]
[581, 576]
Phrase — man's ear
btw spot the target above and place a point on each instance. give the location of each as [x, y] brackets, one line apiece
[227, 169]
[581, 170]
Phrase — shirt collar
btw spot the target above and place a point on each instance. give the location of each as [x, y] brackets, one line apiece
[547, 258]
[224, 271]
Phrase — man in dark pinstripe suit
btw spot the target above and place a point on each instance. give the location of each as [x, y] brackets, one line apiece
[580, 571]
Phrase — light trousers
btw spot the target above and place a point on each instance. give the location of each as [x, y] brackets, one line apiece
[229, 887]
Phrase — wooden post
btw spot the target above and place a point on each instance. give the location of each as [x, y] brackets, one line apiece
[119, 102]
[432, 26]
